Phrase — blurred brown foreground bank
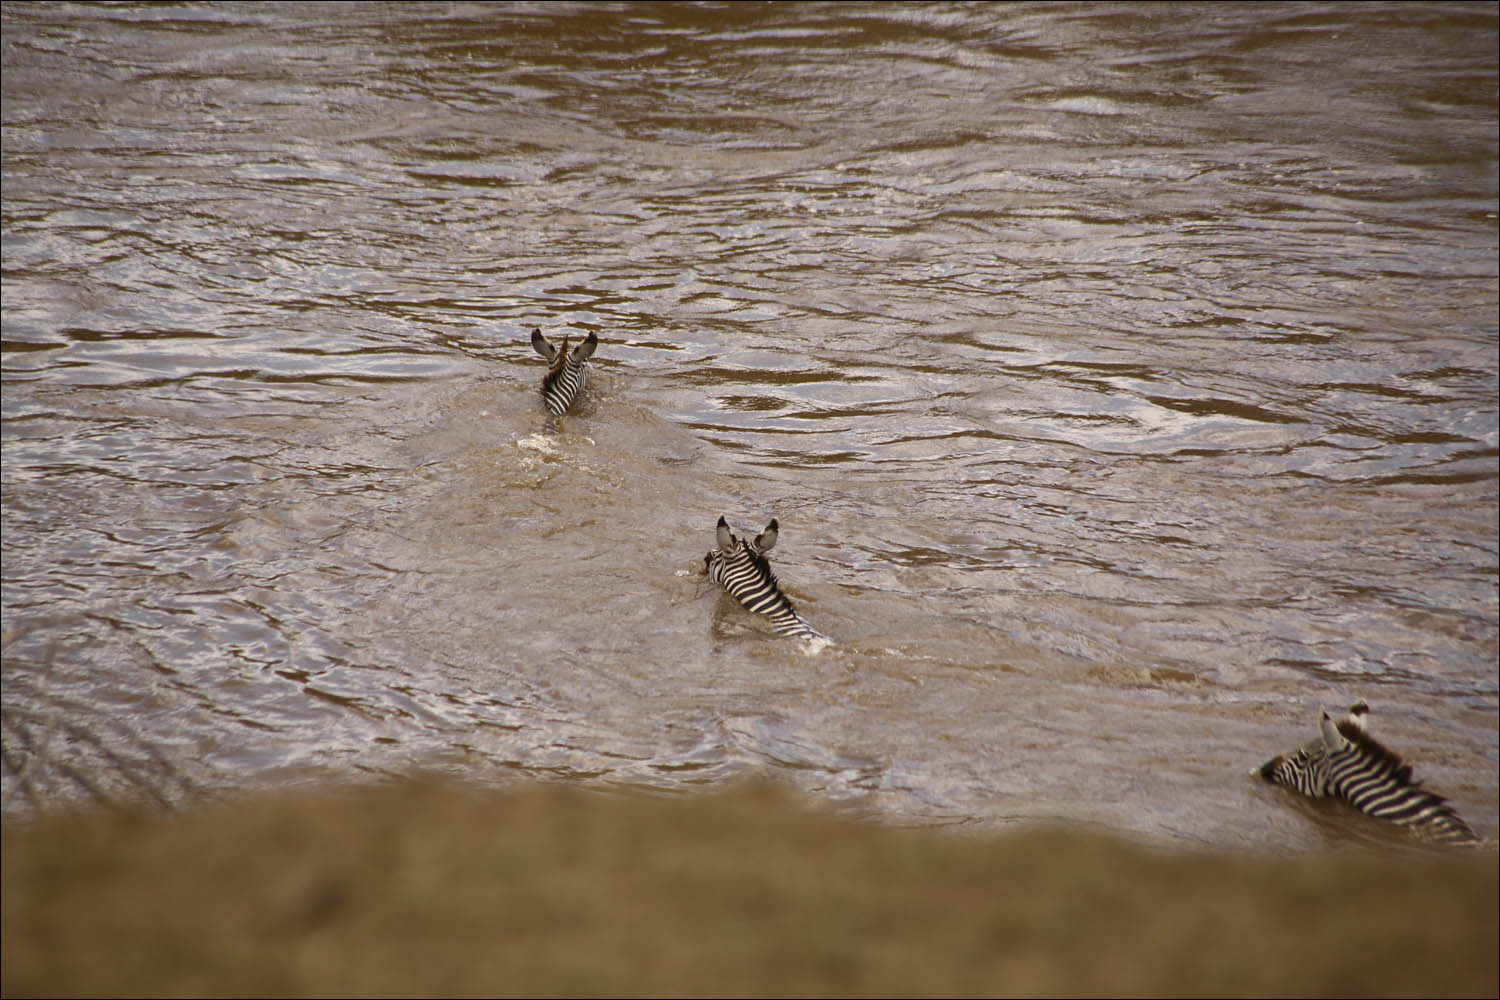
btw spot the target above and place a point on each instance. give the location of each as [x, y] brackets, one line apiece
[426, 888]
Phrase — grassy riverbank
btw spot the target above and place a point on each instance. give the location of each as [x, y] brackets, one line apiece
[427, 888]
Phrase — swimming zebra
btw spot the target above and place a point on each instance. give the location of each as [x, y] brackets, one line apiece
[566, 373]
[740, 567]
[1347, 763]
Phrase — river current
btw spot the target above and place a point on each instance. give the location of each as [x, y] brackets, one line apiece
[1123, 379]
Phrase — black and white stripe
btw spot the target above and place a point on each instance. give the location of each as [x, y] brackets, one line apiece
[1347, 763]
[739, 566]
[566, 372]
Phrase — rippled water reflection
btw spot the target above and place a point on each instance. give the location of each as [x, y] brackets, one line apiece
[1123, 378]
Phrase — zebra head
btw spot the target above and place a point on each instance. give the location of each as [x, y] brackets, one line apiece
[565, 372]
[760, 545]
[731, 548]
[1305, 770]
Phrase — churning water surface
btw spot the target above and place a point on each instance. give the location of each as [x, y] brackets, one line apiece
[1123, 379]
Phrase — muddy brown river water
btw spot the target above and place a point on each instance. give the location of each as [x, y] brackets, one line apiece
[1123, 379]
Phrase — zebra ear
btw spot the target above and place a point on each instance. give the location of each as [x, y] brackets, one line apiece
[766, 539]
[726, 537]
[585, 349]
[1357, 713]
[1332, 738]
[540, 345]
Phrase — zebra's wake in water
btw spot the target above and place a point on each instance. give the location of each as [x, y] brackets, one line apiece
[1347, 763]
[566, 372]
[739, 565]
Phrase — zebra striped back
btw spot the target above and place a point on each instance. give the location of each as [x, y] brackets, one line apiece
[1347, 763]
[740, 566]
[566, 372]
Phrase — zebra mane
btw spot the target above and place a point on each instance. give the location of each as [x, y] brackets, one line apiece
[1432, 810]
[1377, 753]
[556, 368]
[559, 357]
[761, 562]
